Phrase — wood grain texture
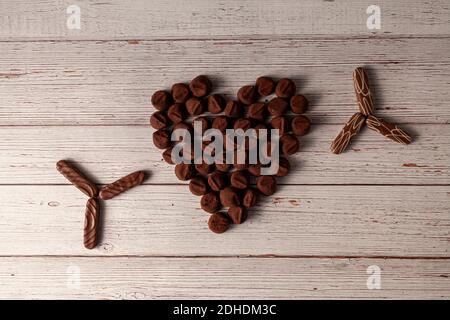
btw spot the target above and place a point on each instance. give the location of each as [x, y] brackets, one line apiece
[220, 278]
[371, 221]
[28, 156]
[46, 19]
[110, 83]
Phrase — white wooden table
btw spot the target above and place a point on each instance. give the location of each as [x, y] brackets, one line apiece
[84, 95]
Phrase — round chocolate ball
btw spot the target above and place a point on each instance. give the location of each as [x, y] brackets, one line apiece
[277, 106]
[161, 100]
[183, 126]
[257, 111]
[280, 123]
[243, 124]
[216, 103]
[300, 125]
[198, 186]
[254, 169]
[217, 180]
[200, 86]
[239, 180]
[229, 197]
[223, 167]
[195, 106]
[267, 185]
[159, 120]
[299, 104]
[289, 144]
[204, 168]
[184, 171]
[161, 139]
[265, 86]
[283, 167]
[247, 94]
[220, 123]
[285, 88]
[167, 155]
[210, 202]
[233, 109]
[180, 92]
[237, 214]
[176, 112]
[218, 223]
[249, 198]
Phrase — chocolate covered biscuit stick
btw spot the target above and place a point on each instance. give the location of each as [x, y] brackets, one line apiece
[388, 130]
[362, 90]
[123, 184]
[77, 178]
[91, 223]
[350, 129]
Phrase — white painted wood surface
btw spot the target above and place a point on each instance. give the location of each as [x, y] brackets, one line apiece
[84, 95]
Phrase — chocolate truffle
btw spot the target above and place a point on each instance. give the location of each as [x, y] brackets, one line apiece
[182, 125]
[229, 197]
[265, 86]
[195, 106]
[238, 214]
[176, 112]
[280, 123]
[243, 124]
[299, 104]
[300, 125]
[267, 185]
[217, 180]
[254, 169]
[198, 186]
[277, 106]
[204, 168]
[184, 171]
[289, 144]
[285, 88]
[249, 198]
[204, 123]
[180, 92]
[223, 167]
[216, 103]
[247, 94]
[220, 123]
[257, 111]
[210, 202]
[239, 180]
[159, 120]
[283, 167]
[161, 139]
[200, 86]
[161, 100]
[218, 223]
[233, 109]
[167, 155]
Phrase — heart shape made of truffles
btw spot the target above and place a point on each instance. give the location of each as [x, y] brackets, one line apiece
[235, 184]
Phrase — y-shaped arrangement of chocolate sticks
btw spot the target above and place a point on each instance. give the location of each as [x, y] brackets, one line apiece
[365, 115]
[92, 215]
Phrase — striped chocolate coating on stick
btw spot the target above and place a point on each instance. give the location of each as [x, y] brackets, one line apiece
[350, 129]
[91, 223]
[388, 130]
[77, 178]
[123, 184]
[362, 90]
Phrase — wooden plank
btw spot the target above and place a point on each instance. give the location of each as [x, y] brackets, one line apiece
[220, 278]
[110, 83]
[160, 19]
[28, 156]
[371, 221]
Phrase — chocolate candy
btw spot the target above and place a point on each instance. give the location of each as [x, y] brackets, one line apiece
[285, 88]
[289, 144]
[265, 86]
[184, 171]
[167, 155]
[229, 197]
[161, 139]
[233, 109]
[267, 185]
[299, 104]
[123, 184]
[257, 111]
[159, 120]
[204, 168]
[77, 178]
[389, 130]
[223, 167]
[300, 125]
[183, 126]
[180, 92]
[220, 123]
[161, 100]
[210, 202]
[249, 198]
[277, 106]
[176, 112]
[238, 214]
[247, 94]
[239, 180]
[362, 90]
[216, 103]
[280, 123]
[200, 86]
[218, 223]
[283, 167]
[217, 181]
[198, 186]
[91, 223]
[255, 169]
[350, 129]
[195, 106]
[243, 124]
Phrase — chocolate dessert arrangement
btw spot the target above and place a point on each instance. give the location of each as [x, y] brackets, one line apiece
[93, 207]
[228, 191]
[366, 116]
